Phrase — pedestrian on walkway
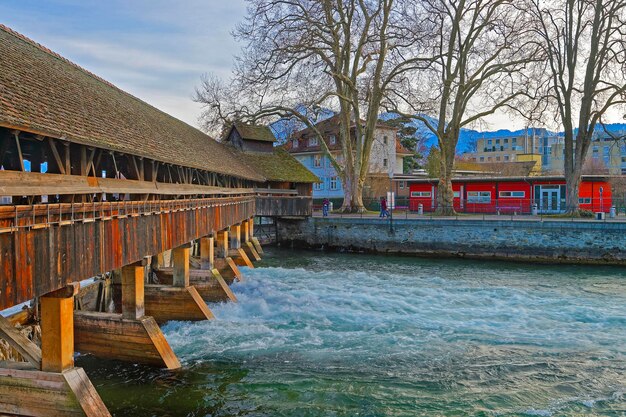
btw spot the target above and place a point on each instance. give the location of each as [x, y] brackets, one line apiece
[383, 207]
[325, 207]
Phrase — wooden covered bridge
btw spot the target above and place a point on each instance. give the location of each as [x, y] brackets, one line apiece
[97, 183]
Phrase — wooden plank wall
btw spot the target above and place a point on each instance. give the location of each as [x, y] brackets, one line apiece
[35, 261]
[284, 206]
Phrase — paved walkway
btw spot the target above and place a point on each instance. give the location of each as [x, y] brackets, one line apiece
[404, 215]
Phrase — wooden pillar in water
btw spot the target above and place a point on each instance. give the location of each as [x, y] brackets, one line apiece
[133, 291]
[235, 236]
[236, 252]
[179, 301]
[224, 263]
[57, 330]
[49, 384]
[251, 227]
[248, 244]
[245, 232]
[207, 253]
[222, 244]
[130, 336]
[254, 239]
[180, 256]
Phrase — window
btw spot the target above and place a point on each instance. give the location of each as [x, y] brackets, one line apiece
[457, 194]
[401, 185]
[479, 197]
[385, 140]
[506, 157]
[489, 142]
[584, 201]
[606, 154]
[623, 159]
[385, 163]
[317, 161]
[334, 183]
[420, 194]
[497, 158]
[295, 143]
[332, 139]
[506, 141]
[313, 141]
[318, 186]
[497, 141]
[489, 158]
[482, 159]
[512, 194]
[595, 152]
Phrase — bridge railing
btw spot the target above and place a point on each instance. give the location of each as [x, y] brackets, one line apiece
[13, 218]
[284, 206]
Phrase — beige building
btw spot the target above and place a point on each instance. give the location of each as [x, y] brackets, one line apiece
[536, 144]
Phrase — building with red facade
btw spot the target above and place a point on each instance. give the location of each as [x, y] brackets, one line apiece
[512, 194]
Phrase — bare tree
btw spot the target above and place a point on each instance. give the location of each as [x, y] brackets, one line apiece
[311, 54]
[479, 51]
[584, 45]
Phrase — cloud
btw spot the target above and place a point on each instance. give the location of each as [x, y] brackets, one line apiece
[154, 49]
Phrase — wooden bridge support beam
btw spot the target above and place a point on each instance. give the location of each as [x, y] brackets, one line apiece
[180, 301]
[57, 389]
[180, 258]
[57, 329]
[207, 253]
[236, 251]
[224, 263]
[130, 336]
[210, 284]
[235, 236]
[222, 244]
[245, 230]
[254, 239]
[247, 244]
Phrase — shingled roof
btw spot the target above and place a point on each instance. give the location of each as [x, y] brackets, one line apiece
[44, 93]
[278, 166]
[255, 132]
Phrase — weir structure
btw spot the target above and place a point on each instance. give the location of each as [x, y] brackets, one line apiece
[97, 185]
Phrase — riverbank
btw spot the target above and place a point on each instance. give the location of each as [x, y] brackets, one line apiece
[560, 241]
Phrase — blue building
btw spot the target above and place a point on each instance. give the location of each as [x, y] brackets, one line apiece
[386, 157]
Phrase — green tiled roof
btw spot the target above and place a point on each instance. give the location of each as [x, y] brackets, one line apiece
[255, 132]
[278, 166]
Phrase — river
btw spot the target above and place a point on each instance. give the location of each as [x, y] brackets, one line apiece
[318, 334]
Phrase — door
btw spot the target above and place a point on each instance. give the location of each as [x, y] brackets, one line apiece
[550, 200]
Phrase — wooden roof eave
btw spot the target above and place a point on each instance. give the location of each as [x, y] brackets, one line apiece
[19, 183]
[87, 142]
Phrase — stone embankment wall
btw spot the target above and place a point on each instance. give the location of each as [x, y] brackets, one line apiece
[548, 241]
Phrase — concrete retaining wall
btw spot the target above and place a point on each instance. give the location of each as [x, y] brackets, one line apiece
[548, 241]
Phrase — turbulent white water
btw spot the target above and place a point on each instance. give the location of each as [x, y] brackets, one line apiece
[352, 334]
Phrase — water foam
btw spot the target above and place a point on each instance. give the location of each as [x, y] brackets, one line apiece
[317, 334]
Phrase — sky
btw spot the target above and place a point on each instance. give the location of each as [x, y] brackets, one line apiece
[156, 50]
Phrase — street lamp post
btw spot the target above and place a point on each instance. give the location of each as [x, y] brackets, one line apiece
[390, 202]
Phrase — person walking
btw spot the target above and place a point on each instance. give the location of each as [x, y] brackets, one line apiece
[325, 207]
[383, 207]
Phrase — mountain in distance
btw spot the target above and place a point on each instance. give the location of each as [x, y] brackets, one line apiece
[284, 127]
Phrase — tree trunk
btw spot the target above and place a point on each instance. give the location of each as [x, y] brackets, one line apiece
[572, 181]
[352, 194]
[445, 194]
